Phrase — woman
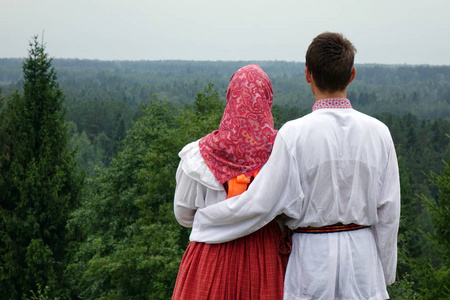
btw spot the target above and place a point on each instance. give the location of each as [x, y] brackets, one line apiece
[219, 166]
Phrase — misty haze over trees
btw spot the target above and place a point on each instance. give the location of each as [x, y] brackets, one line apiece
[89, 150]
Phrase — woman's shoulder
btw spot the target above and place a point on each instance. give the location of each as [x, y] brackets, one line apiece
[195, 167]
[189, 149]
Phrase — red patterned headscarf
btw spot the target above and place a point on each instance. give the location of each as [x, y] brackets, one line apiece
[245, 137]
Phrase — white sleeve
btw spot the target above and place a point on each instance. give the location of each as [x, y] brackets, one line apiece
[386, 230]
[196, 187]
[183, 205]
[275, 190]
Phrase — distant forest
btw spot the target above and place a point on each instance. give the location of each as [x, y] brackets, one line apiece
[118, 139]
[103, 97]
[423, 91]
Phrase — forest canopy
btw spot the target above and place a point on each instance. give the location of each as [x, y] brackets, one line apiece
[421, 90]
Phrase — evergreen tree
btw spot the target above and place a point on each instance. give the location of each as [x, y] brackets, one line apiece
[433, 274]
[40, 185]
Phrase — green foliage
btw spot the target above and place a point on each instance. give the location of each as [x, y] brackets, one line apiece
[403, 289]
[39, 182]
[87, 155]
[40, 264]
[440, 211]
[433, 283]
[132, 244]
[434, 272]
[42, 294]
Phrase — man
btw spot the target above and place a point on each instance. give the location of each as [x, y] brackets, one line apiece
[334, 175]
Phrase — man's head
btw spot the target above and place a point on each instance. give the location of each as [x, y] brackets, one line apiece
[330, 60]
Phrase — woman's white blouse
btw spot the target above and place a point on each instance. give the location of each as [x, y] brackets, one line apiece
[196, 185]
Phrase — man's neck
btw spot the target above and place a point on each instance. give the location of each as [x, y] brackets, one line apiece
[324, 95]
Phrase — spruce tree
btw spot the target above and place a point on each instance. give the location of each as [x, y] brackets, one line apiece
[40, 185]
[433, 273]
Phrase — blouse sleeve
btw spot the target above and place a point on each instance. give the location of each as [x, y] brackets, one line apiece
[385, 231]
[184, 206]
[276, 190]
[196, 186]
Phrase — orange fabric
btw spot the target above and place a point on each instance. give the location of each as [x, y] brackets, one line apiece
[247, 268]
[239, 184]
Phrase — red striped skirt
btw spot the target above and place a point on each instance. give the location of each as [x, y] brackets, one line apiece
[247, 268]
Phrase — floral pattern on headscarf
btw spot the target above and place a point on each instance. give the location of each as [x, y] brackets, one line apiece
[245, 137]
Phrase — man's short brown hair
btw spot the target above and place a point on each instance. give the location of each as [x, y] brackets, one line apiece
[330, 59]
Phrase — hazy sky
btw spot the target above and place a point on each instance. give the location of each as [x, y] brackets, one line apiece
[383, 31]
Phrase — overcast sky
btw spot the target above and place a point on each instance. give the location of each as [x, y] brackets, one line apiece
[383, 31]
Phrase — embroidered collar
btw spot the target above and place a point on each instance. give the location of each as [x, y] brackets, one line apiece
[332, 103]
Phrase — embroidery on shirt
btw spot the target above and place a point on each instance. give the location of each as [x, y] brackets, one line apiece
[332, 103]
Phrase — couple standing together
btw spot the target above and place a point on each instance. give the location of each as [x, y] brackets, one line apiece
[329, 178]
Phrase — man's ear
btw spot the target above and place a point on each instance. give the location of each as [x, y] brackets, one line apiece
[308, 75]
[353, 74]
